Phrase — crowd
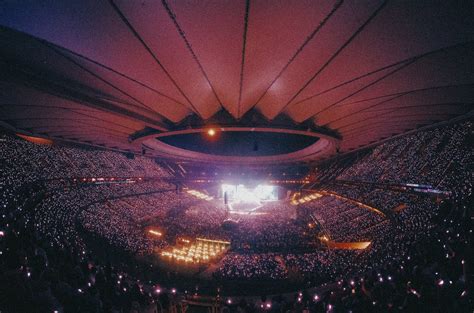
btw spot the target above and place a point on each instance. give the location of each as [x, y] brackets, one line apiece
[275, 229]
[251, 266]
[380, 198]
[44, 264]
[123, 221]
[427, 157]
[420, 253]
[418, 257]
[411, 229]
[392, 238]
[343, 220]
[36, 277]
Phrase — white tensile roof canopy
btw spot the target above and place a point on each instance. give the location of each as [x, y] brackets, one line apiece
[101, 72]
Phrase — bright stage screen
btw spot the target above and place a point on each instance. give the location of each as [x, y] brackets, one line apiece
[240, 193]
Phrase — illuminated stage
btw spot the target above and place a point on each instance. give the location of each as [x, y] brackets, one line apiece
[244, 207]
[247, 200]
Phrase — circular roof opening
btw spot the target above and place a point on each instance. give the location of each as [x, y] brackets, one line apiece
[240, 143]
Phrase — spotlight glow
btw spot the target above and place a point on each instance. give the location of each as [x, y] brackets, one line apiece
[241, 193]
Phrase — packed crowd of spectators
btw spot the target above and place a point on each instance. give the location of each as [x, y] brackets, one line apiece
[36, 277]
[380, 198]
[251, 266]
[23, 162]
[412, 222]
[427, 158]
[417, 258]
[123, 221]
[340, 220]
[56, 212]
[275, 229]
[44, 264]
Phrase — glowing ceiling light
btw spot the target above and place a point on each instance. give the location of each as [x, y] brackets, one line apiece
[211, 132]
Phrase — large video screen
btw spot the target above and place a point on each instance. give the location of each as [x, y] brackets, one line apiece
[241, 193]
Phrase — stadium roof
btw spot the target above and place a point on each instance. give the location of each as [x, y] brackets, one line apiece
[113, 73]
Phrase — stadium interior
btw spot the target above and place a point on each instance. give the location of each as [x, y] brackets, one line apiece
[236, 156]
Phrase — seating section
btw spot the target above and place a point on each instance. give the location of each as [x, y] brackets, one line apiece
[417, 256]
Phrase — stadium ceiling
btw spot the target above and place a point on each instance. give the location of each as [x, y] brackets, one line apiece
[110, 73]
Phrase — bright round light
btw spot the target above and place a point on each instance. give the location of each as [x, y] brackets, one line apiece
[211, 132]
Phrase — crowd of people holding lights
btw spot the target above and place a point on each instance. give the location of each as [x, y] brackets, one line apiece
[418, 257]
